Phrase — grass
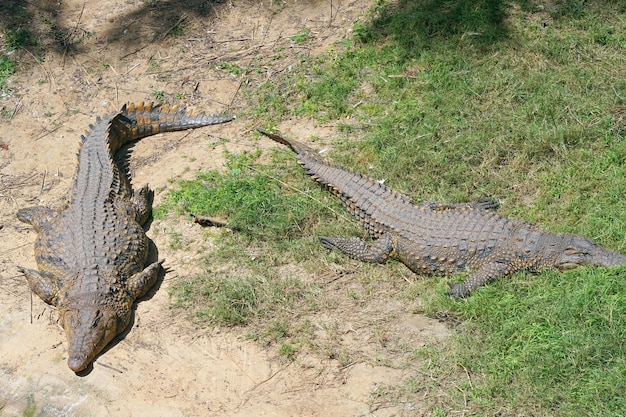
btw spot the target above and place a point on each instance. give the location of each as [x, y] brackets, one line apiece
[456, 101]
[273, 214]
[232, 301]
[301, 36]
[552, 342]
[252, 198]
[20, 38]
[15, 37]
[7, 68]
[31, 406]
[159, 95]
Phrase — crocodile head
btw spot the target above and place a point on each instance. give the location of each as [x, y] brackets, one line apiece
[578, 251]
[89, 329]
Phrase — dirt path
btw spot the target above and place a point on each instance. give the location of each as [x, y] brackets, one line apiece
[107, 53]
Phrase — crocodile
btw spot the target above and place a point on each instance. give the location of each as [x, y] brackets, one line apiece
[92, 252]
[438, 238]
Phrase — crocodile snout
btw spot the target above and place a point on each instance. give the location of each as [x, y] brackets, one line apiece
[89, 329]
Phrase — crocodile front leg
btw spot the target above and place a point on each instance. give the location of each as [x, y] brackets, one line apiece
[142, 281]
[45, 288]
[37, 216]
[142, 201]
[379, 252]
[486, 273]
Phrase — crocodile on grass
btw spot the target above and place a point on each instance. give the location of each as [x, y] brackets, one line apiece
[92, 252]
[434, 238]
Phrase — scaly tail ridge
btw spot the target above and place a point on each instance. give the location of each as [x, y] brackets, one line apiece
[136, 121]
[340, 180]
[299, 148]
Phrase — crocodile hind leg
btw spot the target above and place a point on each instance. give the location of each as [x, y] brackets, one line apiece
[356, 248]
[486, 273]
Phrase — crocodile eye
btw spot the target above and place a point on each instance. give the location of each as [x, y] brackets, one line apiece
[96, 320]
[576, 251]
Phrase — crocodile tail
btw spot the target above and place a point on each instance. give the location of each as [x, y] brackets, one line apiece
[136, 121]
[300, 149]
[355, 190]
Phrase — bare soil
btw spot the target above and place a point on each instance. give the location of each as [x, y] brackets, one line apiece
[92, 57]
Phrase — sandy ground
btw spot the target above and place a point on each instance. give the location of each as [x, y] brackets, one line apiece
[104, 54]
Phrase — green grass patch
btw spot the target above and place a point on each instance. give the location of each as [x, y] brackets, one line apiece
[20, 38]
[456, 101]
[472, 106]
[235, 300]
[178, 29]
[301, 36]
[31, 406]
[552, 343]
[271, 211]
[268, 204]
[7, 68]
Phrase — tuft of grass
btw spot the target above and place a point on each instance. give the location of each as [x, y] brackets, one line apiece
[288, 351]
[31, 406]
[20, 38]
[231, 68]
[159, 95]
[7, 68]
[301, 36]
[235, 300]
[178, 29]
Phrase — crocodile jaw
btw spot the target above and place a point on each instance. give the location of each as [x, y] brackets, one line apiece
[89, 329]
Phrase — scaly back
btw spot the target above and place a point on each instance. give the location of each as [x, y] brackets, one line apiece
[381, 209]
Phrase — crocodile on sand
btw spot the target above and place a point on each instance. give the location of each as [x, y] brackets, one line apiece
[92, 252]
[434, 238]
